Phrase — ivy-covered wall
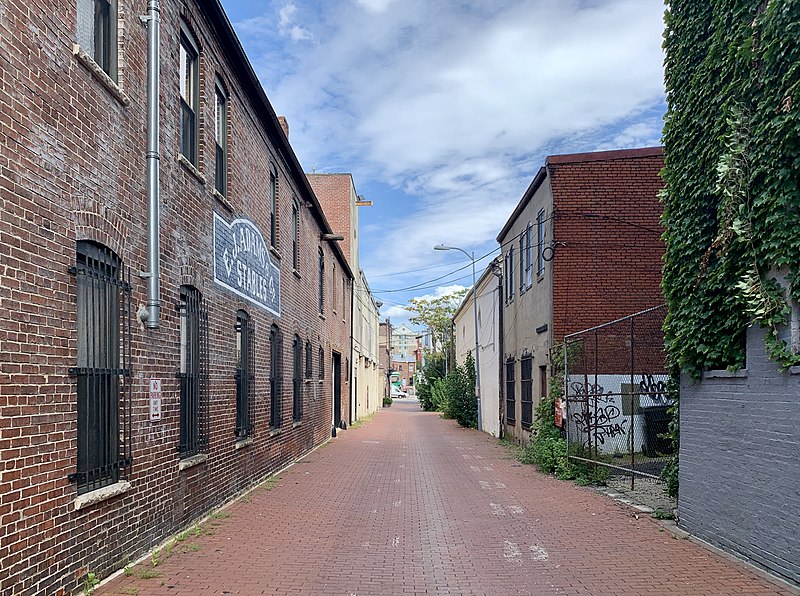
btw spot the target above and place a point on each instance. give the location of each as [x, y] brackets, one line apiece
[732, 175]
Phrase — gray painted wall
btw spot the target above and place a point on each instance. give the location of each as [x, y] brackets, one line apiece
[740, 461]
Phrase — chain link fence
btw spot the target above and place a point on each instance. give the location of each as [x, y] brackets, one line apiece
[616, 408]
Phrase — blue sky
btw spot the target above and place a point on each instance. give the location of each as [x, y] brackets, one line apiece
[443, 110]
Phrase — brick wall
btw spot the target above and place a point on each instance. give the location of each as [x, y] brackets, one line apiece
[72, 167]
[607, 261]
[740, 461]
[334, 192]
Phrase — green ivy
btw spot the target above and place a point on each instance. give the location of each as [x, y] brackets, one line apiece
[732, 177]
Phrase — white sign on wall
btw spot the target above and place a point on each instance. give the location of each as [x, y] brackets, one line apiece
[155, 400]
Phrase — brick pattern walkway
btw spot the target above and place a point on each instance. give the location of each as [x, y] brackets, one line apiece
[412, 504]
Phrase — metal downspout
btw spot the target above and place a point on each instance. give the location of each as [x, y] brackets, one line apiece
[152, 317]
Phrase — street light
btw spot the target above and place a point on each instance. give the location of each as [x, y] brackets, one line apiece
[475, 315]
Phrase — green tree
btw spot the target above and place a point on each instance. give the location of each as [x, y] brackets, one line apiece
[436, 314]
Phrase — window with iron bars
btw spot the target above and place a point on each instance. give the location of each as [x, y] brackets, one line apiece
[309, 361]
[193, 372]
[297, 379]
[221, 139]
[103, 304]
[275, 376]
[245, 374]
[526, 378]
[321, 363]
[511, 401]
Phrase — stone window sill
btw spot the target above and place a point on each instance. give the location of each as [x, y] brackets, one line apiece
[321, 316]
[101, 494]
[275, 252]
[242, 443]
[297, 274]
[191, 168]
[98, 73]
[192, 461]
[726, 374]
[222, 199]
[274, 432]
[297, 423]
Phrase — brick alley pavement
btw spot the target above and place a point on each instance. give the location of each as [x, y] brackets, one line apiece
[412, 504]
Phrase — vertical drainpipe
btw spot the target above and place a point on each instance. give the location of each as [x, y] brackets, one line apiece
[152, 317]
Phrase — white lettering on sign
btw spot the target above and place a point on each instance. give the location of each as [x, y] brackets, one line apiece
[155, 400]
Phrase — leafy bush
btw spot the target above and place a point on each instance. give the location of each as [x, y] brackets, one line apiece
[387, 401]
[432, 371]
[454, 395]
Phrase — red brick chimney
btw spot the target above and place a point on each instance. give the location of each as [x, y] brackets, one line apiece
[284, 125]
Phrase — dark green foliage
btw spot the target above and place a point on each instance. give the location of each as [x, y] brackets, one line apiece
[670, 472]
[732, 176]
[454, 394]
[387, 401]
[430, 373]
[547, 449]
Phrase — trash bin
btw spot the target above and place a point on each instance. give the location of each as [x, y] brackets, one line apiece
[656, 426]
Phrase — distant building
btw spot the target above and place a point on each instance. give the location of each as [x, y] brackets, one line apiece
[384, 353]
[582, 247]
[404, 341]
[337, 194]
[405, 367]
[489, 322]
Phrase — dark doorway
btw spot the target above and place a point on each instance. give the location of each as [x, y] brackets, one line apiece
[337, 390]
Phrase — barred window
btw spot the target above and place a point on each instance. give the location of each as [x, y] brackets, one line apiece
[309, 361]
[321, 363]
[297, 380]
[97, 33]
[511, 400]
[275, 376]
[190, 95]
[245, 374]
[103, 303]
[526, 377]
[193, 373]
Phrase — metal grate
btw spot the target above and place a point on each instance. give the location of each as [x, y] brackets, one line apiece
[245, 374]
[103, 292]
[617, 403]
[275, 377]
[193, 373]
[526, 379]
[297, 379]
[511, 402]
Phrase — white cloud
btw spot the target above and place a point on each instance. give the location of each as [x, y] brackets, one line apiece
[458, 103]
[287, 26]
[374, 6]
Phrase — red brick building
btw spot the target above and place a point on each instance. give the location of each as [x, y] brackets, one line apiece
[120, 426]
[582, 247]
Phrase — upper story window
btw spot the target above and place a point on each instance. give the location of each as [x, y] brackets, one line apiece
[521, 263]
[97, 33]
[273, 199]
[321, 369]
[190, 95]
[529, 255]
[508, 275]
[221, 139]
[297, 381]
[295, 236]
[540, 234]
[321, 272]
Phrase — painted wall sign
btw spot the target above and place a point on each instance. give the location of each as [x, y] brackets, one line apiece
[242, 264]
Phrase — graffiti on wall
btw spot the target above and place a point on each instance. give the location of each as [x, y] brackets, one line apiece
[599, 416]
